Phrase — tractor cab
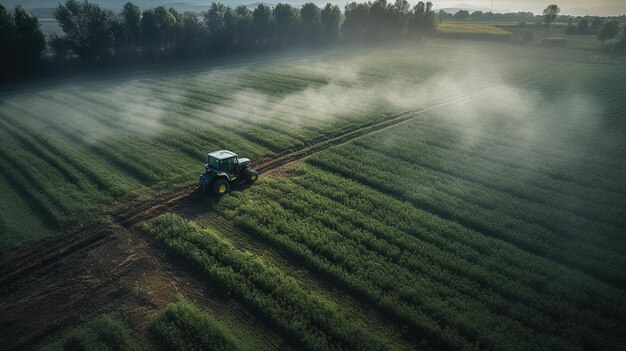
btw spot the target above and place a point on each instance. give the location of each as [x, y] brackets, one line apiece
[223, 168]
[225, 162]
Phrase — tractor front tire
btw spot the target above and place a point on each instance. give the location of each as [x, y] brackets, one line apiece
[221, 187]
[252, 175]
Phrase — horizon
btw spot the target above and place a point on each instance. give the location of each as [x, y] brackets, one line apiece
[569, 7]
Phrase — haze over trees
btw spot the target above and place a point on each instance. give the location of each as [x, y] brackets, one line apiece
[94, 35]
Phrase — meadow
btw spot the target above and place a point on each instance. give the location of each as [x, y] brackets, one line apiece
[491, 221]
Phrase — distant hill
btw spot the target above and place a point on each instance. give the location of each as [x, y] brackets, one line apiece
[458, 7]
[185, 6]
[254, 5]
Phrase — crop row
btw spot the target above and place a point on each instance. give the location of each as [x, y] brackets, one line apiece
[183, 326]
[106, 333]
[401, 181]
[510, 161]
[573, 143]
[20, 220]
[501, 147]
[505, 191]
[397, 274]
[301, 316]
[513, 273]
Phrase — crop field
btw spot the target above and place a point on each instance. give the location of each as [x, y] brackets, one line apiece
[440, 196]
[106, 142]
[472, 30]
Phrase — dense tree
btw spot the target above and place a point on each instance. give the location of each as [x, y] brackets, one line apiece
[330, 17]
[214, 18]
[131, 15]
[355, 26]
[158, 31]
[549, 15]
[621, 44]
[608, 30]
[311, 23]
[595, 25]
[29, 40]
[461, 15]
[571, 27]
[61, 47]
[21, 40]
[87, 28]
[261, 19]
[245, 28]
[236, 30]
[379, 20]
[422, 20]
[476, 16]
[96, 35]
[190, 41]
[399, 15]
[6, 25]
[583, 26]
[287, 18]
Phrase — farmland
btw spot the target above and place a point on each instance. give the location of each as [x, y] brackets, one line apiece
[110, 141]
[472, 30]
[443, 195]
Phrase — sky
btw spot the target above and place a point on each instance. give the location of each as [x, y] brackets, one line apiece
[611, 6]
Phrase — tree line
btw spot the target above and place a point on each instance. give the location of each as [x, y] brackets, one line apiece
[584, 25]
[604, 30]
[95, 35]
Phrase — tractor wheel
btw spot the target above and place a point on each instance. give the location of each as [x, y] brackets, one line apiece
[221, 187]
[252, 175]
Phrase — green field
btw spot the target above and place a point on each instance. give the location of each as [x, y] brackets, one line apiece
[72, 151]
[473, 30]
[481, 221]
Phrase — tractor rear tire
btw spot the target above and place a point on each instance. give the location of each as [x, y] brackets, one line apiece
[221, 187]
[252, 175]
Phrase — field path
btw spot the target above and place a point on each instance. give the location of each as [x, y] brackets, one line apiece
[53, 283]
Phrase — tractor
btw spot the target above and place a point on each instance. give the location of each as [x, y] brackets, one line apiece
[223, 169]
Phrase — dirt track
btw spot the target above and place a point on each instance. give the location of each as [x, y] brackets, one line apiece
[107, 265]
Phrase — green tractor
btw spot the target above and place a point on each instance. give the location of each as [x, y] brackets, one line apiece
[223, 169]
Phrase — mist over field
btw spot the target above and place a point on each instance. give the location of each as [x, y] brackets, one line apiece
[342, 88]
[436, 192]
